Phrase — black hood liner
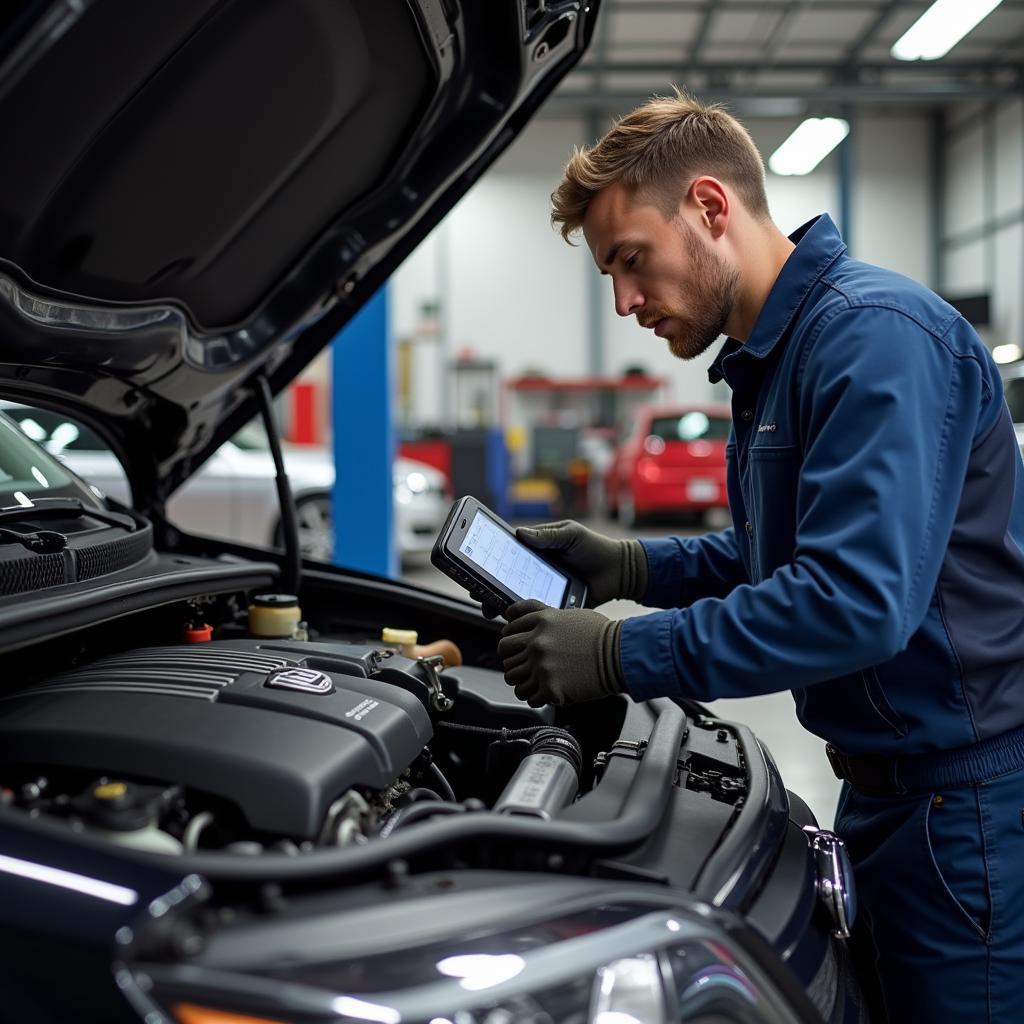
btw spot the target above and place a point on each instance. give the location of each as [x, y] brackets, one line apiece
[194, 147]
[197, 191]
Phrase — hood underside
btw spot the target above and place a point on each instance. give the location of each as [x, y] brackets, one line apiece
[196, 192]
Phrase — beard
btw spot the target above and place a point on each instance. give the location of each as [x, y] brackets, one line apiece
[707, 302]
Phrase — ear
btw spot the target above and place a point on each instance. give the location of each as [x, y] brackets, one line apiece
[712, 201]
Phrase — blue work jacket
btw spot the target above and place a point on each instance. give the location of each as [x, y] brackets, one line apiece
[875, 565]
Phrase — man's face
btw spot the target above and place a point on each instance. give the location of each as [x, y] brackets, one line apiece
[662, 272]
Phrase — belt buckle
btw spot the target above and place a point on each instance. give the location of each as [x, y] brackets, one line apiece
[837, 761]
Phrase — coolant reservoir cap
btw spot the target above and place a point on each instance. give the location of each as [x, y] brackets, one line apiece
[120, 806]
[275, 600]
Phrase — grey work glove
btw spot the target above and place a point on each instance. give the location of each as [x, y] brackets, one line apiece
[560, 656]
[610, 568]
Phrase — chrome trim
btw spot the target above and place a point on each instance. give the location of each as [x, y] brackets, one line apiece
[305, 680]
[835, 885]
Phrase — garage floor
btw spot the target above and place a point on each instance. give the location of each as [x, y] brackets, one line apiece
[799, 755]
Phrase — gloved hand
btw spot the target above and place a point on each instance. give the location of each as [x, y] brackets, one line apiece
[610, 568]
[560, 656]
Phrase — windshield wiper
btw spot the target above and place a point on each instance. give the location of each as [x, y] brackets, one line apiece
[73, 507]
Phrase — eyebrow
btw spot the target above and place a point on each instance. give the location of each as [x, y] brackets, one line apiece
[610, 255]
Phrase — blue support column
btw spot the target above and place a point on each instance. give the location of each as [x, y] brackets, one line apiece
[364, 442]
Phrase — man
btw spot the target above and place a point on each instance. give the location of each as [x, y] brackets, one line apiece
[876, 562]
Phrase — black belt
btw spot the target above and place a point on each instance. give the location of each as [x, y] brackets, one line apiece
[931, 771]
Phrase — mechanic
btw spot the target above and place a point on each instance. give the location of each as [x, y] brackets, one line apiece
[874, 566]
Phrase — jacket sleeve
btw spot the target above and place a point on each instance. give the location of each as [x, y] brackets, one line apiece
[888, 414]
[680, 570]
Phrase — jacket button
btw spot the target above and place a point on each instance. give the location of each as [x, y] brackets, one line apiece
[749, 529]
[747, 415]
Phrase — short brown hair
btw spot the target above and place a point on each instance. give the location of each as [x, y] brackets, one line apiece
[656, 151]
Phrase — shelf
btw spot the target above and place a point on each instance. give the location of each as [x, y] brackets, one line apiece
[629, 383]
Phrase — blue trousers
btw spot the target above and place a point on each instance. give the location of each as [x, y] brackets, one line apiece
[940, 884]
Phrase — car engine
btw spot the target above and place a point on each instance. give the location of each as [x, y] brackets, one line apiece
[249, 745]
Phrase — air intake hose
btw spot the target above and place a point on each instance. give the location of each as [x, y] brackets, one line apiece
[547, 779]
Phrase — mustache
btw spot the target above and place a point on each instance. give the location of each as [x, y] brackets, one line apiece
[646, 319]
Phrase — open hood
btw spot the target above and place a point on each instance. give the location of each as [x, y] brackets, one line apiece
[196, 192]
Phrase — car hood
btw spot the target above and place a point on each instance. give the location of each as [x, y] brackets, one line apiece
[204, 191]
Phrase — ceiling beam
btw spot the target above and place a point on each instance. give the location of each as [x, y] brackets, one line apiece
[611, 101]
[701, 35]
[930, 69]
[867, 36]
[759, 6]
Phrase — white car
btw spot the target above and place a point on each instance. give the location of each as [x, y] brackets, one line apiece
[233, 495]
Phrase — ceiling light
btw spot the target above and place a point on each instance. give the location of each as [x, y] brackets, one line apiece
[940, 28]
[1007, 353]
[809, 144]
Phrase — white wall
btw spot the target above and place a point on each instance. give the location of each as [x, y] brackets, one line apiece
[982, 248]
[511, 290]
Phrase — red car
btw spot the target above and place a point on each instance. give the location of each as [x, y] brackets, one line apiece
[672, 462]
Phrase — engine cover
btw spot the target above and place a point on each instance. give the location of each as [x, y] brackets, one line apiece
[248, 721]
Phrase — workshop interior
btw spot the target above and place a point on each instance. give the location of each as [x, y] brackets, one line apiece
[279, 288]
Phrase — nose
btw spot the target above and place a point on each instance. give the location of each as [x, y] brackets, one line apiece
[628, 298]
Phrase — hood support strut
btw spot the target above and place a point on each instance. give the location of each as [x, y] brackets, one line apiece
[291, 578]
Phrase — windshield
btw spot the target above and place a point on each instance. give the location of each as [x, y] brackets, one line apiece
[252, 437]
[691, 426]
[27, 472]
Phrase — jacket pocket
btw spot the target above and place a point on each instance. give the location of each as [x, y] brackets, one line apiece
[880, 703]
[769, 489]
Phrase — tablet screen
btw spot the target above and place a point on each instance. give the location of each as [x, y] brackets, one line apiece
[513, 564]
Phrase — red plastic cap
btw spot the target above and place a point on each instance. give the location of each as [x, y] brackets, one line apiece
[198, 633]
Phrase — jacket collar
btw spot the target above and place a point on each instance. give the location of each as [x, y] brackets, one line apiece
[818, 246]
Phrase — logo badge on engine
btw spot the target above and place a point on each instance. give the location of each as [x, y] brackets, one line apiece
[308, 680]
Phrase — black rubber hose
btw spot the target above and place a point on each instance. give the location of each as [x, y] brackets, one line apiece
[291, 576]
[442, 783]
[416, 812]
[645, 805]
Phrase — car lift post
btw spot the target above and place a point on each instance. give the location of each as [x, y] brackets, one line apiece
[364, 441]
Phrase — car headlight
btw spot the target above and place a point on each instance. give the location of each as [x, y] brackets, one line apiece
[411, 483]
[612, 964]
[416, 482]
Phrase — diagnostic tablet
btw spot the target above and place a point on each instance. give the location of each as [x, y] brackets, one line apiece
[479, 550]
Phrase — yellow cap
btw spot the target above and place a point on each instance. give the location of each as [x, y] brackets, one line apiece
[398, 636]
[110, 790]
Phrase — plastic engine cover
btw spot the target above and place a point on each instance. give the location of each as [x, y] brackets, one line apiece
[239, 719]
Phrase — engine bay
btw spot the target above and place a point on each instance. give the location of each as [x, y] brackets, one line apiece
[180, 724]
[230, 743]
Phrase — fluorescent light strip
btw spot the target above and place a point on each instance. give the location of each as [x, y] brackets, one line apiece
[809, 144]
[1007, 353]
[940, 28]
[69, 880]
